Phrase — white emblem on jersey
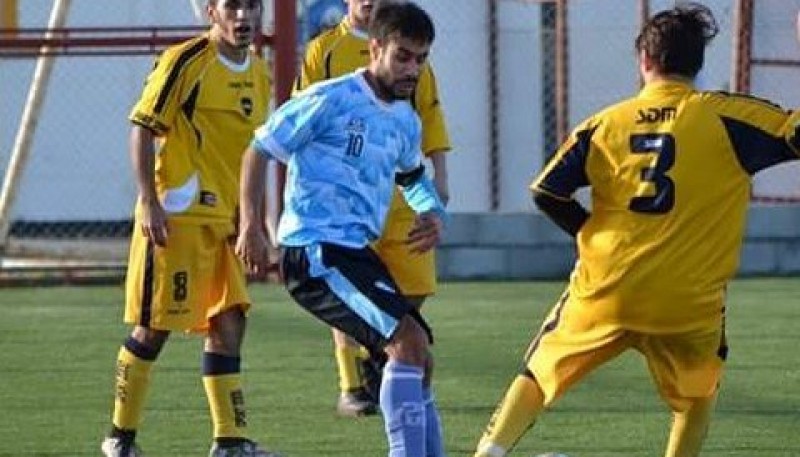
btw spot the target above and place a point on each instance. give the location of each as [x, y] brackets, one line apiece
[179, 199]
[384, 287]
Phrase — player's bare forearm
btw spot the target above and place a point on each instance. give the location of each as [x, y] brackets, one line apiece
[252, 189]
[142, 152]
[440, 179]
[153, 218]
[252, 244]
[567, 214]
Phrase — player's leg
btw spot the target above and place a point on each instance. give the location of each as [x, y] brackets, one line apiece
[150, 293]
[564, 352]
[131, 384]
[690, 426]
[687, 369]
[404, 397]
[354, 398]
[224, 324]
[414, 273]
[352, 291]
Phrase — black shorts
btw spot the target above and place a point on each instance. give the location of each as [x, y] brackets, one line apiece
[349, 289]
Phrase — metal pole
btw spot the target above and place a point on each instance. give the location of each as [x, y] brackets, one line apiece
[494, 127]
[562, 71]
[30, 116]
[285, 45]
[742, 46]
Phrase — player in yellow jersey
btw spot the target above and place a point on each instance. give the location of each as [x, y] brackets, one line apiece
[196, 115]
[669, 171]
[333, 53]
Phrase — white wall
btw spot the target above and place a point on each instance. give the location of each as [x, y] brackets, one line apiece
[81, 147]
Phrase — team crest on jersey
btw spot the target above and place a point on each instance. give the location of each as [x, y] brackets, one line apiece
[208, 198]
[247, 105]
[356, 126]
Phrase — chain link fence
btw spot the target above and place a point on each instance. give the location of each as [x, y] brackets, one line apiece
[514, 76]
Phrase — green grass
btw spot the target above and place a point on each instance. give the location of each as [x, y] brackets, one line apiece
[58, 345]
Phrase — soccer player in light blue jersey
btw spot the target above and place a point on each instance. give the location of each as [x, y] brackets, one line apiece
[347, 142]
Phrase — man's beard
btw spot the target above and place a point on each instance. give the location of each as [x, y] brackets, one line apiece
[389, 89]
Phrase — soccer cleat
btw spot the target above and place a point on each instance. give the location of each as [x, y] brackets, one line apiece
[356, 404]
[245, 448]
[116, 447]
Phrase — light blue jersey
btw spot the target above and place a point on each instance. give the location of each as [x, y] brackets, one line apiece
[342, 147]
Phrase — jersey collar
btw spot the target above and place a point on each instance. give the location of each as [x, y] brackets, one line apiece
[360, 34]
[364, 85]
[665, 86]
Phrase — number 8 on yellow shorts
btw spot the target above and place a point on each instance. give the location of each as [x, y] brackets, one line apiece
[181, 286]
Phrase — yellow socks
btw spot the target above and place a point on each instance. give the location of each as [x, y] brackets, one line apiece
[134, 363]
[347, 359]
[223, 385]
[689, 428]
[516, 413]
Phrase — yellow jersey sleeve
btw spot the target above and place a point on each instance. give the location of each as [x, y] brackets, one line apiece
[426, 102]
[166, 88]
[565, 171]
[792, 132]
[760, 132]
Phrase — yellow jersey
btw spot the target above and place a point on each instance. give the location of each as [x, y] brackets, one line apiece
[670, 176]
[203, 110]
[343, 49]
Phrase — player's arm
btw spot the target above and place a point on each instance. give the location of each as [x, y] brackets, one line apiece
[565, 173]
[252, 243]
[153, 115]
[792, 129]
[420, 193]
[761, 133]
[153, 218]
[567, 214]
[440, 180]
[435, 138]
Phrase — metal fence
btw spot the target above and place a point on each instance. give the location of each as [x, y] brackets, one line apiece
[514, 77]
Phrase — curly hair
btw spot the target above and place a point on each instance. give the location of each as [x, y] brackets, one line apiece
[676, 39]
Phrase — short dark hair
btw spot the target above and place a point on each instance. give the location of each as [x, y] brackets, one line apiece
[676, 39]
[406, 19]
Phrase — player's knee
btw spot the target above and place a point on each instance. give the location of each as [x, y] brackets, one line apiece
[409, 344]
[152, 340]
[226, 333]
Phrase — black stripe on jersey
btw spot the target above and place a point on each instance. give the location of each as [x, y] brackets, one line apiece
[297, 82]
[756, 149]
[752, 98]
[547, 328]
[188, 108]
[328, 58]
[172, 78]
[570, 173]
[191, 102]
[146, 311]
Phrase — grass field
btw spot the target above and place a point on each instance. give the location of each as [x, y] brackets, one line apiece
[58, 345]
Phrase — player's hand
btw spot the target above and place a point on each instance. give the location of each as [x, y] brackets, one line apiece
[153, 222]
[253, 248]
[425, 233]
